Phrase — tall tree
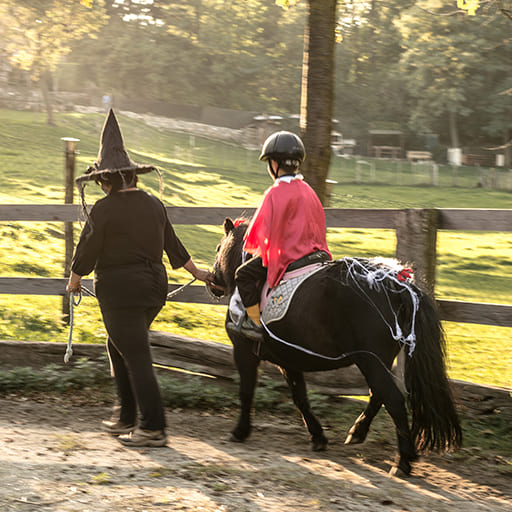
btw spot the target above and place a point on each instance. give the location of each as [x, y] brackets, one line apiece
[441, 54]
[369, 86]
[493, 122]
[38, 34]
[243, 54]
[454, 66]
[317, 97]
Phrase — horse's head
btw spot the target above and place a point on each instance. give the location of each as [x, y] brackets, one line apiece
[229, 256]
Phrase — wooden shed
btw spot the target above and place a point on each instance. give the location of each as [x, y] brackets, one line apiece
[385, 143]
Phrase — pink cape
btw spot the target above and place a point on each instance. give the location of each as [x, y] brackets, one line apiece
[288, 224]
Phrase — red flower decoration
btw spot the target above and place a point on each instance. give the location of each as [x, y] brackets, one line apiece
[405, 273]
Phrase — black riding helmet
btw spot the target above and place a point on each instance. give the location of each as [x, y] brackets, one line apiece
[286, 148]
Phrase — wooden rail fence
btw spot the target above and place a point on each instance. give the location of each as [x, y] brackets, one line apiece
[416, 232]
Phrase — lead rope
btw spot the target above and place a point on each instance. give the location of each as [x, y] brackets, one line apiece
[72, 304]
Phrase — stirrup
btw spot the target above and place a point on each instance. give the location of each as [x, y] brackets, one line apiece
[246, 327]
[251, 330]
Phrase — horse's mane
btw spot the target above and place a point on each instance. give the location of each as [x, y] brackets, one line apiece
[231, 256]
[236, 242]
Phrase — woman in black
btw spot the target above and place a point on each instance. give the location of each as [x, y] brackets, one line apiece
[123, 242]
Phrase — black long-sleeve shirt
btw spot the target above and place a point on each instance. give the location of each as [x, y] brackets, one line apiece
[127, 228]
[123, 241]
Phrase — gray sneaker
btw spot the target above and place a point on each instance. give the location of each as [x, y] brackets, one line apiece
[117, 428]
[140, 437]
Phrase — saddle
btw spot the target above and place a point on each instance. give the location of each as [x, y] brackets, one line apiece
[278, 299]
[274, 302]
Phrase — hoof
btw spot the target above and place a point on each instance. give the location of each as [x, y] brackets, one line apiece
[319, 446]
[402, 470]
[239, 436]
[352, 439]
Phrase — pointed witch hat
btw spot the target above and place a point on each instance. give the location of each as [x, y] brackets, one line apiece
[112, 157]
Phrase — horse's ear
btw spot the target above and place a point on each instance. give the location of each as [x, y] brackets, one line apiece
[228, 225]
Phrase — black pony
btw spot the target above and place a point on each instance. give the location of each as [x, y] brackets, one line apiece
[336, 319]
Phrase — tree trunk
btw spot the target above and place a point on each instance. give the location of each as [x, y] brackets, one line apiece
[317, 97]
[508, 150]
[44, 80]
[454, 132]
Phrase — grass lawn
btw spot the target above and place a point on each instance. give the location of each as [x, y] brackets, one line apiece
[199, 172]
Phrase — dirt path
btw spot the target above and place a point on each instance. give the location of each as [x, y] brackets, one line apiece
[53, 457]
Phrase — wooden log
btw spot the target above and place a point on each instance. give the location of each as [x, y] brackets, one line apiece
[475, 219]
[478, 400]
[173, 351]
[475, 312]
[57, 286]
[192, 354]
[217, 359]
[198, 215]
[39, 212]
[360, 218]
[34, 354]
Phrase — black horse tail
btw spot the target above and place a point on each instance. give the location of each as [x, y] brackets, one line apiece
[435, 423]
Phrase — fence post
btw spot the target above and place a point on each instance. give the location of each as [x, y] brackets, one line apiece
[416, 238]
[69, 187]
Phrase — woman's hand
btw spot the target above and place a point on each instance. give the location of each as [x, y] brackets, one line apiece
[74, 283]
[202, 275]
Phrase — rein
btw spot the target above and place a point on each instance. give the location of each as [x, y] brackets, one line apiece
[170, 295]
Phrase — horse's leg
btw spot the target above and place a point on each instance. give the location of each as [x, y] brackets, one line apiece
[297, 386]
[357, 434]
[384, 390]
[247, 364]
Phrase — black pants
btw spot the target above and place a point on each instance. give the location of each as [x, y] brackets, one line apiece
[250, 278]
[130, 356]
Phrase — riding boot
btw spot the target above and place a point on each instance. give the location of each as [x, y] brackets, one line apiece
[249, 325]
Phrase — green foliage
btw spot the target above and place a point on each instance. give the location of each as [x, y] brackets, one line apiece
[232, 54]
[452, 65]
[369, 88]
[487, 433]
[191, 391]
[53, 378]
[410, 63]
[419, 63]
[38, 34]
